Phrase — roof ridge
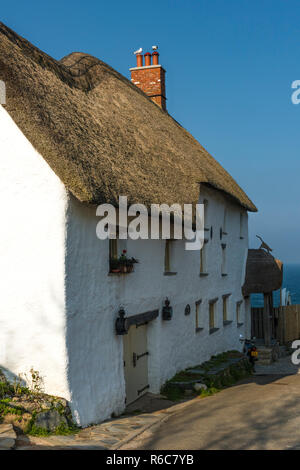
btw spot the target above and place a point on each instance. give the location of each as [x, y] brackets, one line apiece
[100, 133]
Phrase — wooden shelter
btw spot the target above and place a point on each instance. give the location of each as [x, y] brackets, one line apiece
[264, 275]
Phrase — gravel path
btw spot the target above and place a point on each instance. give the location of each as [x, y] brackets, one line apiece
[283, 366]
[261, 413]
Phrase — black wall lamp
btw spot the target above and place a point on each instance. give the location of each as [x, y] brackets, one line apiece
[167, 311]
[121, 323]
[187, 310]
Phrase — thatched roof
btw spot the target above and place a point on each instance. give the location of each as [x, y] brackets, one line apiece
[100, 134]
[263, 273]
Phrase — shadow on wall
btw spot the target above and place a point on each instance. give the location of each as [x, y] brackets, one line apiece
[95, 373]
[11, 377]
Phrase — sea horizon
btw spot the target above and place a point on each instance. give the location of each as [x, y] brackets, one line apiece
[291, 281]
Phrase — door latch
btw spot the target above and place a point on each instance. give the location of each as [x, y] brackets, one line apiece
[136, 357]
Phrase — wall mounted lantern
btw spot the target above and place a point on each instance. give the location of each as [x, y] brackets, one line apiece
[167, 311]
[121, 323]
[187, 310]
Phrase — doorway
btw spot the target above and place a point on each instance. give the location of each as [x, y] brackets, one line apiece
[135, 362]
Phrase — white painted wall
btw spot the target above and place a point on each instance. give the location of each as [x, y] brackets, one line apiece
[59, 305]
[33, 204]
[94, 297]
[95, 374]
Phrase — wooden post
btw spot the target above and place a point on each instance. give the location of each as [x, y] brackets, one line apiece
[267, 319]
[282, 324]
[272, 315]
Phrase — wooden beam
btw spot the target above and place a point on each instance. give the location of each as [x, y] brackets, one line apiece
[267, 319]
[141, 318]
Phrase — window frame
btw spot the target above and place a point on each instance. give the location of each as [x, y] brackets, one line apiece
[203, 260]
[224, 228]
[224, 260]
[225, 310]
[212, 315]
[169, 246]
[197, 316]
[239, 304]
[241, 226]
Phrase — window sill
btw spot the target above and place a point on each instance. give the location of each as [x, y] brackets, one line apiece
[227, 322]
[203, 274]
[119, 273]
[239, 324]
[199, 329]
[213, 330]
[169, 273]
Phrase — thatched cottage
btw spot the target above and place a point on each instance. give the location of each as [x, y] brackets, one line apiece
[74, 134]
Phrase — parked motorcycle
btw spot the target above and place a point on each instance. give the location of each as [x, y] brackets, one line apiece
[250, 350]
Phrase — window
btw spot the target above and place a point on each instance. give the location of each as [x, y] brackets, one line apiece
[225, 309]
[241, 226]
[169, 257]
[205, 203]
[113, 249]
[198, 316]
[116, 247]
[202, 259]
[224, 229]
[212, 315]
[223, 266]
[203, 267]
[239, 319]
[226, 320]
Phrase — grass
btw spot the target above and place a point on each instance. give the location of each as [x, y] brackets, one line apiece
[61, 430]
[177, 394]
[10, 391]
[218, 360]
[172, 393]
[6, 408]
[185, 376]
[208, 392]
[215, 382]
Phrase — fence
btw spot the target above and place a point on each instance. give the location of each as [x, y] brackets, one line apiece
[285, 323]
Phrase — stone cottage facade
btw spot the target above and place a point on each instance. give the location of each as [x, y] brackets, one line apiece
[74, 134]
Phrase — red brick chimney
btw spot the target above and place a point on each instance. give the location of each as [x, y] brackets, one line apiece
[150, 78]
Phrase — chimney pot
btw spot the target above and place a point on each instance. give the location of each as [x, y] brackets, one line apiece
[147, 59]
[155, 56]
[139, 60]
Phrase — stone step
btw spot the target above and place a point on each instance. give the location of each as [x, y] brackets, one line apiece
[264, 356]
[264, 362]
[7, 437]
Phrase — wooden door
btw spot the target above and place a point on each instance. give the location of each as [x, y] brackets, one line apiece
[136, 362]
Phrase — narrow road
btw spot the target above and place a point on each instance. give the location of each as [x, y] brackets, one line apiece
[260, 413]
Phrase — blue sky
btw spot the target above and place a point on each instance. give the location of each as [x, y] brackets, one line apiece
[230, 65]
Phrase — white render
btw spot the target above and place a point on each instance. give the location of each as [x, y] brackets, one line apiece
[33, 205]
[59, 304]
